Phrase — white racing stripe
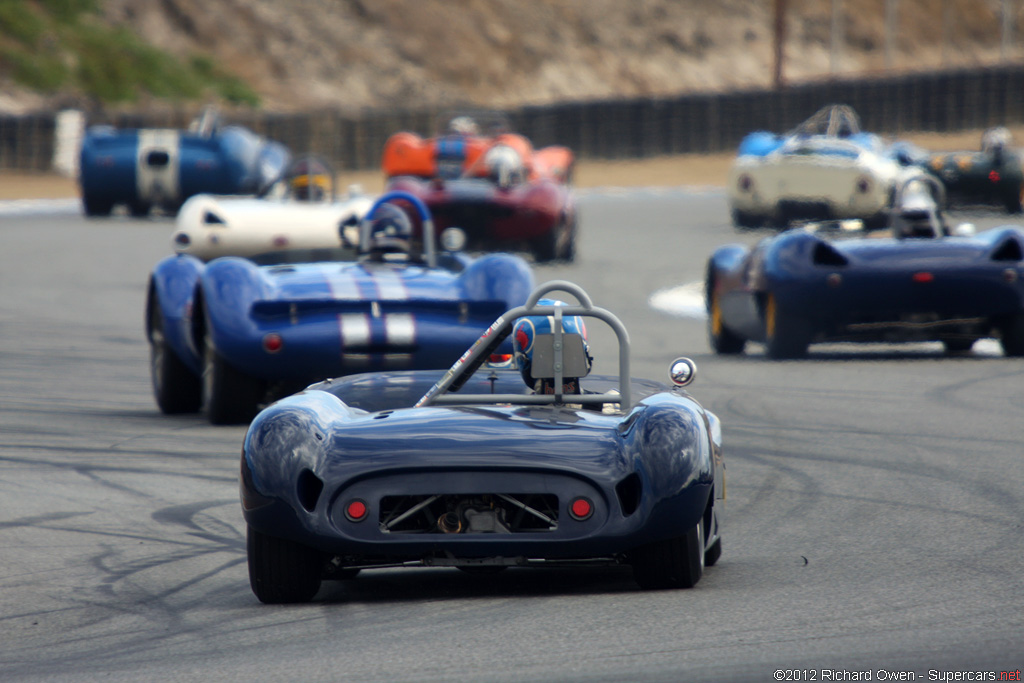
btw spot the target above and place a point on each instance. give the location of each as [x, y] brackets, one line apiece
[399, 329]
[355, 330]
[157, 183]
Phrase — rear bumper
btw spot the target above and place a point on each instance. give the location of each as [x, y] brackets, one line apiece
[609, 531]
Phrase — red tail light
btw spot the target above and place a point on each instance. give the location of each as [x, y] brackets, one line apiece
[923, 277]
[580, 509]
[272, 343]
[356, 510]
[993, 175]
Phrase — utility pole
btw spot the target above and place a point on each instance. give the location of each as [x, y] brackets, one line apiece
[1004, 48]
[891, 20]
[780, 38]
[837, 36]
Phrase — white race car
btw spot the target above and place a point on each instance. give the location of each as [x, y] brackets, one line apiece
[301, 213]
[824, 169]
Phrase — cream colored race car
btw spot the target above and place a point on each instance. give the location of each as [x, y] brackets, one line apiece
[300, 213]
[825, 169]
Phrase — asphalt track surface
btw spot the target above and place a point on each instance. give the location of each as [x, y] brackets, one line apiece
[874, 520]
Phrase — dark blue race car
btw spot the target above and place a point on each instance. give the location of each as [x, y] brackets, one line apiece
[921, 284]
[233, 333]
[484, 467]
[147, 168]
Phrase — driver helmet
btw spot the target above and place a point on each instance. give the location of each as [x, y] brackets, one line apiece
[390, 231]
[996, 142]
[917, 213]
[504, 166]
[463, 125]
[525, 331]
[309, 181]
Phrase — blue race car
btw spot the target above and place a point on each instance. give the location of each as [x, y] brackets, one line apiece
[147, 168]
[231, 333]
[482, 467]
[921, 284]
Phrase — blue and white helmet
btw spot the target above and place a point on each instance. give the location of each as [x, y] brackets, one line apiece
[525, 332]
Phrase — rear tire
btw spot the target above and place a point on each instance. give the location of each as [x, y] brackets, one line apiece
[569, 250]
[545, 247]
[1011, 334]
[721, 339]
[138, 209]
[786, 336]
[229, 396]
[674, 563]
[712, 554]
[1012, 201]
[95, 208]
[282, 571]
[743, 219]
[176, 388]
[957, 345]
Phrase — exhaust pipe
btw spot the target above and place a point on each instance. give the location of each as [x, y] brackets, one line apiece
[449, 523]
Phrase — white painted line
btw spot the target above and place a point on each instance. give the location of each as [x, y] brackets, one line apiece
[685, 301]
[39, 207]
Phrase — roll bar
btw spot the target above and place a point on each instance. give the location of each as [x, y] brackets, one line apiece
[429, 248]
[488, 343]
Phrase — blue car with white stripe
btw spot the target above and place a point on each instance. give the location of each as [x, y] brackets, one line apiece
[149, 168]
[231, 334]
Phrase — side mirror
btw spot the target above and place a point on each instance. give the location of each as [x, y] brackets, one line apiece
[453, 239]
[682, 371]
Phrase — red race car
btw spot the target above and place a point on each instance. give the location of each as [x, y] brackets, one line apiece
[491, 183]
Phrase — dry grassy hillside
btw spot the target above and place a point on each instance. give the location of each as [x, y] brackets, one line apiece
[302, 54]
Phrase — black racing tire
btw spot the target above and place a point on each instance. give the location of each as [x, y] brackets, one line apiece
[958, 344]
[744, 219]
[568, 254]
[712, 554]
[786, 336]
[96, 208]
[176, 388]
[877, 222]
[545, 247]
[1011, 334]
[673, 563]
[1012, 201]
[138, 209]
[229, 396]
[722, 340]
[282, 571]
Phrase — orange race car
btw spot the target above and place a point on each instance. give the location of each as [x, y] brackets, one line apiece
[491, 183]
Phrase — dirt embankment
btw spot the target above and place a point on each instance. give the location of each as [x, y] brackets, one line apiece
[351, 54]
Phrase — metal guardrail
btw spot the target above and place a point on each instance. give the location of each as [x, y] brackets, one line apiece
[611, 129]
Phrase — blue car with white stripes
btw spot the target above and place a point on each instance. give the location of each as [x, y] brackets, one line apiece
[229, 335]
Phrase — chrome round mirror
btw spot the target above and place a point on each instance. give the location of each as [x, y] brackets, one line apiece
[682, 371]
[453, 239]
